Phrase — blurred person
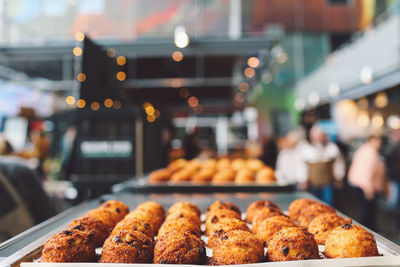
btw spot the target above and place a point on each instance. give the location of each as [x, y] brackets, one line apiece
[366, 175]
[289, 157]
[321, 166]
[270, 151]
[191, 144]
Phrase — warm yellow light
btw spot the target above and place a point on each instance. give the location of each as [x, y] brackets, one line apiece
[77, 51]
[381, 100]
[249, 72]
[95, 105]
[394, 122]
[117, 104]
[121, 60]
[176, 83]
[108, 103]
[146, 104]
[81, 103]
[377, 120]
[81, 77]
[244, 87]
[193, 101]
[157, 113]
[79, 36]
[111, 52]
[149, 110]
[253, 62]
[70, 100]
[121, 76]
[151, 118]
[239, 97]
[177, 56]
[363, 118]
[184, 92]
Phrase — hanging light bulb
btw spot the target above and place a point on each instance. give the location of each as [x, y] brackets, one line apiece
[181, 39]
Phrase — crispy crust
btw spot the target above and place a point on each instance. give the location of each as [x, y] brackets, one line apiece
[184, 205]
[150, 212]
[179, 224]
[134, 224]
[214, 217]
[93, 227]
[221, 205]
[237, 247]
[311, 211]
[256, 206]
[244, 176]
[116, 206]
[262, 214]
[223, 226]
[272, 225]
[223, 176]
[189, 215]
[69, 246]
[127, 247]
[179, 248]
[292, 243]
[296, 207]
[349, 241]
[322, 225]
[108, 217]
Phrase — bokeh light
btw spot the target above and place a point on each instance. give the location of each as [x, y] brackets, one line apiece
[177, 56]
[121, 60]
[70, 100]
[81, 103]
[108, 103]
[95, 106]
[121, 76]
[253, 62]
[81, 77]
[77, 51]
[249, 72]
[79, 36]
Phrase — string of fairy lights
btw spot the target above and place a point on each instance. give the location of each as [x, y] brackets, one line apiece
[109, 103]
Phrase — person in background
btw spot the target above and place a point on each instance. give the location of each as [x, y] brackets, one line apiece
[288, 157]
[322, 165]
[366, 175]
[191, 144]
[270, 151]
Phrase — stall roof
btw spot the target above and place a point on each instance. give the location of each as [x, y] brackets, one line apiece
[377, 53]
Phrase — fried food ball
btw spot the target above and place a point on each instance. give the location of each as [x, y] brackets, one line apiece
[222, 205]
[177, 165]
[183, 175]
[296, 207]
[127, 247]
[272, 225]
[223, 226]
[134, 224]
[262, 214]
[311, 211]
[161, 175]
[209, 163]
[69, 246]
[178, 206]
[116, 206]
[189, 215]
[223, 163]
[223, 176]
[214, 217]
[256, 206]
[350, 241]
[292, 243]
[179, 248]
[108, 217]
[237, 247]
[255, 164]
[205, 175]
[322, 225]
[150, 212]
[244, 176]
[179, 224]
[93, 227]
[266, 176]
[238, 164]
